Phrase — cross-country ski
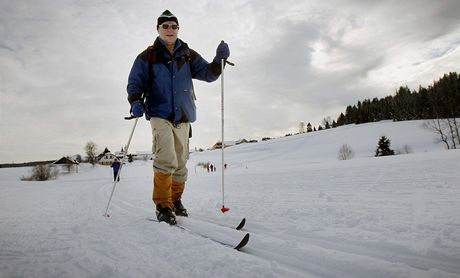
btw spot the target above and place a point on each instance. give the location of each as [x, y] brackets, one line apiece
[223, 235]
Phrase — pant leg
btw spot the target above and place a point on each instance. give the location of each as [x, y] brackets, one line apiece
[162, 185]
[115, 176]
[165, 158]
[181, 146]
[164, 162]
[171, 149]
[176, 190]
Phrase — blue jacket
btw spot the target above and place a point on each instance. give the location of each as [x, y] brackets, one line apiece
[171, 94]
[116, 166]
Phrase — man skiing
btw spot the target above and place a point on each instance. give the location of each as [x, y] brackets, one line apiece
[160, 85]
[116, 167]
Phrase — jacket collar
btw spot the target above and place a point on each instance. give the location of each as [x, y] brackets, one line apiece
[160, 44]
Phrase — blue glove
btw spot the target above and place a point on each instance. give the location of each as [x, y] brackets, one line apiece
[222, 52]
[137, 109]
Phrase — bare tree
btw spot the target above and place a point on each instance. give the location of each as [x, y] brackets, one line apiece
[453, 132]
[345, 153]
[42, 172]
[91, 150]
[326, 122]
[78, 158]
[405, 150]
[302, 127]
[447, 129]
[457, 130]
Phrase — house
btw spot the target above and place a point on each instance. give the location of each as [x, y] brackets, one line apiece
[120, 155]
[66, 163]
[65, 160]
[107, 159]
[218, 145]
[241, 141]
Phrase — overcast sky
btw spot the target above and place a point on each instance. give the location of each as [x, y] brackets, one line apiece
[64, 65]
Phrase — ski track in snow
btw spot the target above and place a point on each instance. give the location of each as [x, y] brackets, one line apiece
[308, 214]
[378, 254]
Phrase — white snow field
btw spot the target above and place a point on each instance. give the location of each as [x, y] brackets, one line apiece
[308, 213]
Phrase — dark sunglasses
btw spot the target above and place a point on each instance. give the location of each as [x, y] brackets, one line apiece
[166, 26]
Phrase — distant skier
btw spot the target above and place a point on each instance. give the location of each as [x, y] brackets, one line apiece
[116, 167]
[160, 85]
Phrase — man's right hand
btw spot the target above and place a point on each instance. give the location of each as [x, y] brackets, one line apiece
[137, 109]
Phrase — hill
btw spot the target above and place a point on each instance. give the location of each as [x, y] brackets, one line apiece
[308, 213]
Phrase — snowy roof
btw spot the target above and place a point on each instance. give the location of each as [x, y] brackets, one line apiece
[65, 160]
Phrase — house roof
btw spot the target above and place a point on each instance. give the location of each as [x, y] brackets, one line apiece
[65, 160]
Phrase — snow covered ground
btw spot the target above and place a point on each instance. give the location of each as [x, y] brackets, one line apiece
[309, 214]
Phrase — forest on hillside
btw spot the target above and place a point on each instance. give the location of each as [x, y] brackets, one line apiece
[439, 101]
[439, 104]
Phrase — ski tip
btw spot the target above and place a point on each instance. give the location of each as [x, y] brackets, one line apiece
[241, 225]
[243, 242]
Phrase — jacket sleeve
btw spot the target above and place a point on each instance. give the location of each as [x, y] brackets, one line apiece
[137, 80]
[202, 70]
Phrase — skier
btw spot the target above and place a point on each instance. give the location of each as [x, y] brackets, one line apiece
[116, 167]
[162, 75]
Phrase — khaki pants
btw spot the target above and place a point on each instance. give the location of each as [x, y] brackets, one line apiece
[171, 150]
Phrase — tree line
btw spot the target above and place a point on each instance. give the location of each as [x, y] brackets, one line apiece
[439, 104]
[439, 101]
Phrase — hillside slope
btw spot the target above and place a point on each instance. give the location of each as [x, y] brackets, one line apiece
[309, 214]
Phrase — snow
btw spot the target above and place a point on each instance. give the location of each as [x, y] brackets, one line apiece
[308, 213]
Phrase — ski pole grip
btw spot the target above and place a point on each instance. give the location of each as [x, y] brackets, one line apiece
[226, 61]
[130, 118]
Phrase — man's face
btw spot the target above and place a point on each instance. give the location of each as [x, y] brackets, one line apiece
[168, 35]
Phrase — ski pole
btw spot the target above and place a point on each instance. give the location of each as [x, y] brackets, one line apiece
[223, 62]
[121, 165]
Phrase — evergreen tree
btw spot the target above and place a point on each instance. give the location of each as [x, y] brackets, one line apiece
[341, 120]
[383, 147]
[334, 124]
